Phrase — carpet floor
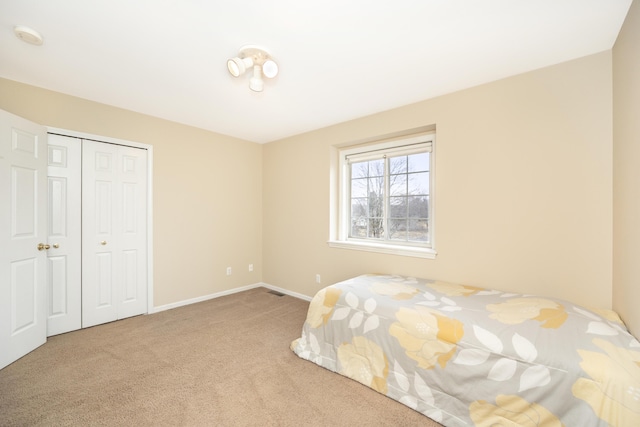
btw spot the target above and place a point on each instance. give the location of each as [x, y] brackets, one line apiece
[222, 362]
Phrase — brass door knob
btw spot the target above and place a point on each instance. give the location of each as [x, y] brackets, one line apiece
[104, 242]
[56, 246]
[43, 247]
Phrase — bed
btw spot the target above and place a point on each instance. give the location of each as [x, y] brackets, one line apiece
[467, 356]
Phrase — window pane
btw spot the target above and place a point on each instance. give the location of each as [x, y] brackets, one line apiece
[358, 227]
[398, 185]
[376, 167]
[359, 187]
[419, 183]
[418, 230]
[376, 229]
[419, 162]
[376, 208]
[398, 165]
[376, 186]
[418, 207]
[398, 229]
[398, 207]
[359, 170]
[359, 207]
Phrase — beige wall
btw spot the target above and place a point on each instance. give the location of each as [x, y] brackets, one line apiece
[626, 172]
[207, 190]
[523, 189]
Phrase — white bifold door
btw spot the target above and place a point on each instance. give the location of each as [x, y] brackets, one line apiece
[97, 254]
[114, 232]
[64, 262]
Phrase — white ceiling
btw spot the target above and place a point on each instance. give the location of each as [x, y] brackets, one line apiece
[339, 59]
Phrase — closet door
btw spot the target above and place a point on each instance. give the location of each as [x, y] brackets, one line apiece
[64, 255]
[132, 212]
[23, 230]
[114, 191]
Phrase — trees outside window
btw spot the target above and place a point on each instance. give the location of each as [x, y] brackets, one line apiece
[389, 195]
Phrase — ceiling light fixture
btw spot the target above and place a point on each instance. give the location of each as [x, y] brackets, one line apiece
[28, 35]
[256, 58]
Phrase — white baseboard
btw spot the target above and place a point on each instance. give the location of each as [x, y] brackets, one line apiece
[286, 292]
[228, 292]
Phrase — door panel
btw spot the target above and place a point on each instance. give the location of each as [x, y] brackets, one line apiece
[129, 267]
[23, 203]
[64, 256]
[98, 242]
[24, 291]
[114, 191]
[133, 211]
[58, 292]
[104, 284]
[23, 187]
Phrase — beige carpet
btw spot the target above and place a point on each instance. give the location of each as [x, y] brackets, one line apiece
[223, 362]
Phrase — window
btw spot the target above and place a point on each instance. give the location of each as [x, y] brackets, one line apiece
[386, 197]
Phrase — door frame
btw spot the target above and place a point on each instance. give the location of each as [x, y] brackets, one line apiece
[149, 148]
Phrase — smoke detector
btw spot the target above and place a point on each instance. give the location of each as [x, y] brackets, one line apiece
[27, 35]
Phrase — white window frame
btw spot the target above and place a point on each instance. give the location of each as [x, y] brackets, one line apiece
[341, 238]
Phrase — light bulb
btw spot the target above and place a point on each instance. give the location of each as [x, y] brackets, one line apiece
[256, 84]
[238, 66]
[270, 69]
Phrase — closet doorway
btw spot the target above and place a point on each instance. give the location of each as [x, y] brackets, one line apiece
[43, 206]
[97, 271]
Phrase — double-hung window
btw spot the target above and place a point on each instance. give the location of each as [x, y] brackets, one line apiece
[386, 197]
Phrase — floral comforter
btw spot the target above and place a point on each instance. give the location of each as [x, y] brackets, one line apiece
[467, 356]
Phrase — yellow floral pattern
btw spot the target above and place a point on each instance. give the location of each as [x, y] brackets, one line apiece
[398, 291]
[427, 336]
[364, 361]
[517, 310]
[609, 315]
[611, 404]
[511, 411]
[452, 289]
[321, 307]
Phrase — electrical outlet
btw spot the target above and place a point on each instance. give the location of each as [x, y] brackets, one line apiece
[317, 278]
[228, 271]
[250, 267]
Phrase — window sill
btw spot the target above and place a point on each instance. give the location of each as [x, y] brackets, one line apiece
[412, 251]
